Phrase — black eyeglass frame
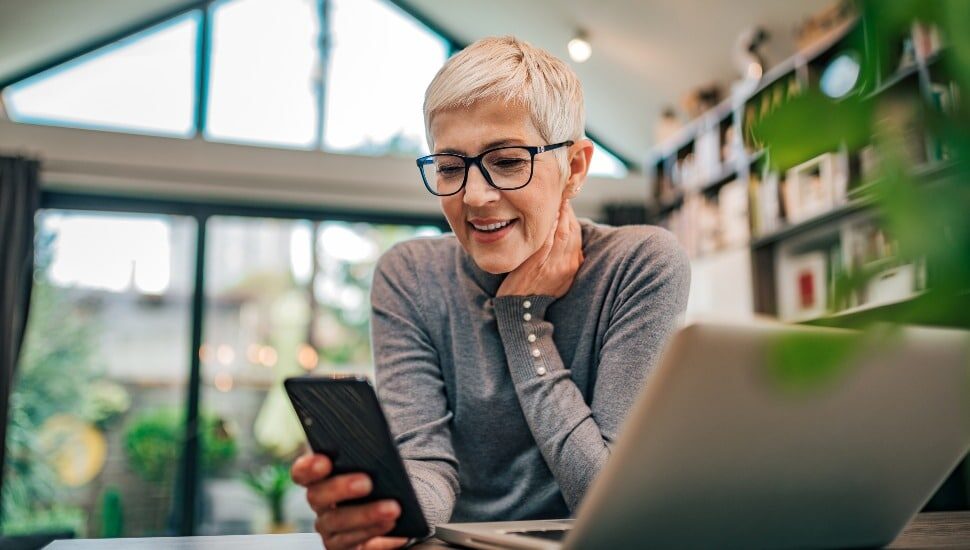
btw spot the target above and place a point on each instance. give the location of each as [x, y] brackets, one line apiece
[477, 161]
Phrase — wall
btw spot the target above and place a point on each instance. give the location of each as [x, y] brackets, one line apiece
[146, 166]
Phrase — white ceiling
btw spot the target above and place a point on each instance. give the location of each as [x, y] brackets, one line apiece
[646, 54]
[35, 31]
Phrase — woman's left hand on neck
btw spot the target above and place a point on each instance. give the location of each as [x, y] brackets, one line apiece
[550, 271]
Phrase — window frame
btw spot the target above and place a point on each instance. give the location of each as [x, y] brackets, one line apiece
[188, 483]
[204, 58]
[101, 48]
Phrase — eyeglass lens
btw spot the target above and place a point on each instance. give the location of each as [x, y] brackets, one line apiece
[508, 168]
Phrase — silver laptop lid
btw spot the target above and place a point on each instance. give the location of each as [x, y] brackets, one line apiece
[767, 435]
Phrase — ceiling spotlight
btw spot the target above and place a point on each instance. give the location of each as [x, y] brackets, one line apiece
[580, 48]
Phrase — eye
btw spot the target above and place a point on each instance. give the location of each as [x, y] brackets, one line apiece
[450, 169]
[509, 163]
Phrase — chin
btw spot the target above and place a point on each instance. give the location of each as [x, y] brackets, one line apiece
[495, 264]
[495, 267]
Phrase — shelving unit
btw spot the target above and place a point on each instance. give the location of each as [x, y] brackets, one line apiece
[697, 178]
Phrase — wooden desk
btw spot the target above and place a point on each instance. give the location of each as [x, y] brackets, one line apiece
[936, 530]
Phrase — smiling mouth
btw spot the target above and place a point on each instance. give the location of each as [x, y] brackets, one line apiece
[493, 227]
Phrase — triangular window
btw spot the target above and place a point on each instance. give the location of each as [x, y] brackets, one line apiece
[144, 83]
[263, 84]
[381, 61]
[606, 163]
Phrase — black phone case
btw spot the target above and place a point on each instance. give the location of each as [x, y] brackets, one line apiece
[343, 419]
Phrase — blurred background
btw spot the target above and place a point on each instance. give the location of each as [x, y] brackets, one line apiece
[206, 187]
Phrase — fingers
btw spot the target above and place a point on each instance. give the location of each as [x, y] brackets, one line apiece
[385, 543]
[360, 517]
[352, 539]
[324, 495]
[310, 468]
[349, 526]
[345, 526]
[577, 231]
[564, 230]
[562, 221]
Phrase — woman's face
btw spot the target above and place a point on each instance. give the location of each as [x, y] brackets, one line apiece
[530, 210]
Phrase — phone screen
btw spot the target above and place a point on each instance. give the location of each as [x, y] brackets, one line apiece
[343, 419]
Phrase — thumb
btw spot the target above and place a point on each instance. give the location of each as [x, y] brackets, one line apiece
[550, 240]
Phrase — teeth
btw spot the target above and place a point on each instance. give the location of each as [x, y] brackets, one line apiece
[492, 227]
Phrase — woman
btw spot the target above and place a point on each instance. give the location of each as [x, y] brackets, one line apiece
[508, 354]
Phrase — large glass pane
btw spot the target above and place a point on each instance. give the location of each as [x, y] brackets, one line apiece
[605, 164]
[256, 319]
[95, 427]
[381, 61]
[265, 63]
[346, 254]
[283, 298]
[144, 83]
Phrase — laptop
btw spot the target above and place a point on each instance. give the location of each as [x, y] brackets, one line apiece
[766, 435]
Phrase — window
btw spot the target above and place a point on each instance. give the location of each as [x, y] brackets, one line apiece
[265, 83]
[264, 72]
[144, 84]
[381, 61]
[283, 298]
[606, 164]
[97, 407]
[97, 416]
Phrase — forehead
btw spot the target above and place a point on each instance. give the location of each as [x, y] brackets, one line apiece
[471, 129]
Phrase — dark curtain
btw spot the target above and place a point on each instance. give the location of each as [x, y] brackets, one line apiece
[19, 200]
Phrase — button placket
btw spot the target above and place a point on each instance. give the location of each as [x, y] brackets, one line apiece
[536, 352]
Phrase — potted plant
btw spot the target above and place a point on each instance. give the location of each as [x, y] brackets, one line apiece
[271, 482]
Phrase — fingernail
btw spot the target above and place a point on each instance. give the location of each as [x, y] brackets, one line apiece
[389, 508]
[320, 467]
[360, 485]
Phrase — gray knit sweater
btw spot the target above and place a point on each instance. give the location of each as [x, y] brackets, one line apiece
[507, 408]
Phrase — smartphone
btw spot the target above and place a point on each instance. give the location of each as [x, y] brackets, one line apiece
[343, 420]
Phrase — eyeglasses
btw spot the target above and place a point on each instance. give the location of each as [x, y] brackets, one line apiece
[505, 168]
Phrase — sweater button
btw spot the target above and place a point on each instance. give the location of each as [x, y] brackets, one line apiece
[541, 371]
[536, 352]
[527, 304]
[532, 337]
[527, 316]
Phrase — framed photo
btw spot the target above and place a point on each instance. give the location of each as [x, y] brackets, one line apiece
[816, 186]
[803, 287]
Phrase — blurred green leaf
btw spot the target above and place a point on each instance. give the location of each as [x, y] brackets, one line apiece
[808, 361]
[811, 124]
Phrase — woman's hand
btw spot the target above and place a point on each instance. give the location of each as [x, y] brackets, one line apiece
[550, 271]
[343, 526]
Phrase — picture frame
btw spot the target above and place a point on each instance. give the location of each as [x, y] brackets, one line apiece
[816, 186]
[803, 287]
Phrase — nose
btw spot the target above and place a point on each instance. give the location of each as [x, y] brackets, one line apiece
[477, 191]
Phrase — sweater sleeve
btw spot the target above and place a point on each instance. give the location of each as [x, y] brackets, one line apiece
[410, 385]
[575, 438]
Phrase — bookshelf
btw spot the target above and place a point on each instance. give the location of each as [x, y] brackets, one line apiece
[712, 183]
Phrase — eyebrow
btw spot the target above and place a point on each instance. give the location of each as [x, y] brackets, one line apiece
[489, 145]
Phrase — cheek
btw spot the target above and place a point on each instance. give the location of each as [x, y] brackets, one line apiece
[453, 213]
[538, 212]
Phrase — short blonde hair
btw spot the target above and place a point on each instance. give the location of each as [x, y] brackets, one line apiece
[511, 70]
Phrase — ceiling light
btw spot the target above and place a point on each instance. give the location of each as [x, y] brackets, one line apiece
[580, 48]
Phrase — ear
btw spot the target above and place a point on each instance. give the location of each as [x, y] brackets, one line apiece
[580, 154]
